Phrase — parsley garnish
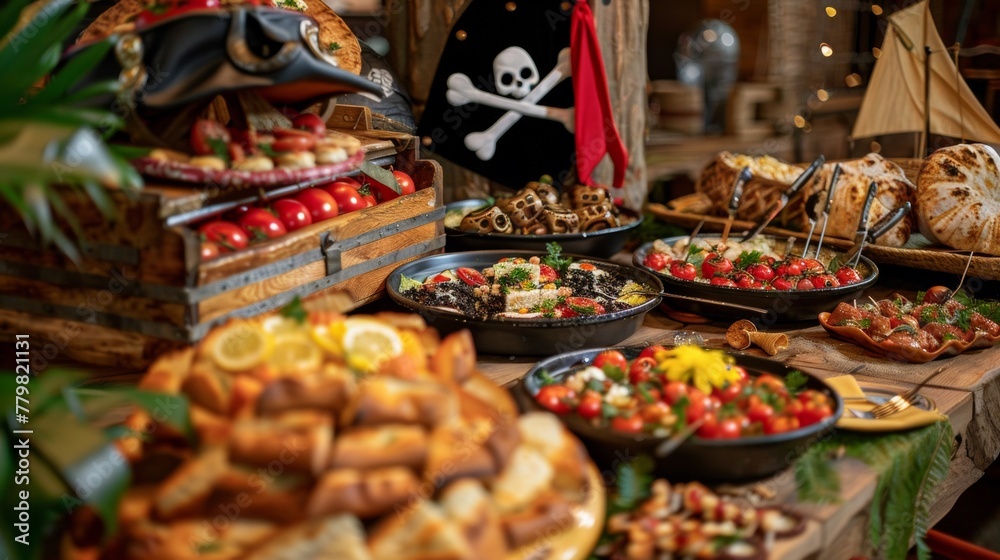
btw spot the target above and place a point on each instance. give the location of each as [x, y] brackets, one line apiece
[267, 149]
[219, 148]
[948, 336]
[680, 409]
[546, 378]
[555, 258]
[583, 309]
[332, 47]
[295, 310]
[862, 323]
[795, 381]
[609, 411]
[748, 258]
[516, 277]
[595, 385]
[643, 390]
[613, 373]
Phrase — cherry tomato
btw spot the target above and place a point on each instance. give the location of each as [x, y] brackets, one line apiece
[656, 261]
[209, 138]
[292, 213]
[641, 370]
[439, 278]
[321, 204]
[729, 428]
[709, 428]
[547, 274]
[782, 283]
[937, 294]
[227, 235]
[847, 275]
[825, 281]
[209, 250]
[262, 224]
[293, 144]
[310, 123]
[761, 272]
[612, 358]
[747, 282]
[629, 424]
[812, 413]
[714, 264]
[722, 281]
[698, 404]
[654, 412]
[683, 270]
[781, 424]
[729, 393]
[674, 391]
[590, 405]
[350, 181]
[236, 153]
[384, 192]
[804, 284]
[812, 265]
[556, 398]
[760, 412]
[650, 351]
[470, 276]
[742, 372]
[367, 195]
[347, 197]
[770, 383]
[794, 268]
[585, 306]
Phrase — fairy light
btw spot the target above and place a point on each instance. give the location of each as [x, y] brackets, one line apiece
[709, 35]
[853, 80]
[876, 9]
[800, 121]
[822, 95]
[876, 52]
[826, 49]
[831, 11]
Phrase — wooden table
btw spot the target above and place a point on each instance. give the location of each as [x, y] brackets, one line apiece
[967, 389]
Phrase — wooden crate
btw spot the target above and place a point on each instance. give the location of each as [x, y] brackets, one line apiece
[141, 287]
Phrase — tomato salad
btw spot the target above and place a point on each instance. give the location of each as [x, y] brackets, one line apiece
[665, 389]
[753, 266]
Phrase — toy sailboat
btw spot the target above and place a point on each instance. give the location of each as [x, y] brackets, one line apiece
[914, 72]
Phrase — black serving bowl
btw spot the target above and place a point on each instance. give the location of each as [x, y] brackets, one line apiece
[537, 336]
[709, 460]
[602, 244]
[780, 306]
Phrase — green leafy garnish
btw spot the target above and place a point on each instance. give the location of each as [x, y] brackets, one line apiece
[609, 411]
[722, 541]
[932, 314]
[288, 4]
[407, 283]
[267, 150]
[834, 265]
[595, 385]
[795, 381]
[613, 373]
[862, 323]
[294, 310]
[948, 336]
[333, 47]
[904, 328]
[219, 148]
[555, 258]
[643, 389]
[546, 307]
[546, 378]
[516, 277]
[583, 309]
[748, 258]
[680, 409]
[633, 480]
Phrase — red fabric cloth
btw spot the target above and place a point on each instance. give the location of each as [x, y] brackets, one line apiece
[596, 133]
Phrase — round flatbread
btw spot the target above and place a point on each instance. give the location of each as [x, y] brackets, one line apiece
[958, 198]
[332, 29]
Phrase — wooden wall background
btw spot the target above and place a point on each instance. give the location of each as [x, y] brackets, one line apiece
[417, 32]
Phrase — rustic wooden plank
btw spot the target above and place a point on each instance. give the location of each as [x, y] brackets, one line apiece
[355, 292]
[241, 297]
[88, 300]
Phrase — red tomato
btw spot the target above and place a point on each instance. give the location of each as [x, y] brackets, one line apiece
[310, 123]
[654, 412]
[674, 391]
[227, 235]
[347, 197]
[236, 153]
[470, 276]
[209, 250]
[612, 358]
[641, 370]
[812, 413]
[742, 371]
[209, 138]
[683, 270]
[760, 412]
[585, 306]
[794, 268]
[350, 181]
[722, 281]
[590, 405]
[321, 204]
[292, 213]
[781, 424]
[729, 428]
[698, 404]
[547, 274]
[781, 284]
[715, 264]
[405, 182]
[825, 281]
[847, 275]
[656, 261]
[367, 195]
[729, 393]
[556, 398]
[440, 278]
[650, 351]
[804, 284]
[709, 429]
[812, 265]
[262, 224]
[761, 272]
[770, 383]
[293, 144]
[630, 424]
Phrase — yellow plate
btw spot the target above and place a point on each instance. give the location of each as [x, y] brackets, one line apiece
[923, 413]
[579, 540]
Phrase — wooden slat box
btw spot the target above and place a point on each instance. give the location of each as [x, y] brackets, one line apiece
[141, 287]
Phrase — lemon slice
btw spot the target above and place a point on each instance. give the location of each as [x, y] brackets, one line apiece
[277, 324]
[295, 352]
[369, 343]
[330, 337]
[240, 347]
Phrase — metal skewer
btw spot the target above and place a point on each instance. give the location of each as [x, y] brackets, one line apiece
[834, 177]
[734, 200]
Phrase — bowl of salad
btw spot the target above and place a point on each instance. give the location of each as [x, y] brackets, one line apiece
[759, 273]
[751, 417]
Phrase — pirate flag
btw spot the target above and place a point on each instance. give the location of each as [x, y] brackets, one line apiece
[520, 91]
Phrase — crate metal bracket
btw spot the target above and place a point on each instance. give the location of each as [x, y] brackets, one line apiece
[333, 249]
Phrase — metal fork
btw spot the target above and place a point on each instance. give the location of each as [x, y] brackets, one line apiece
[902, 401]
[703, 301]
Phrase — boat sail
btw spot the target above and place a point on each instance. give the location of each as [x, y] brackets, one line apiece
[896, 98]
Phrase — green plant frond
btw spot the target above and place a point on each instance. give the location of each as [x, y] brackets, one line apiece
[100, 197]
[71, 74]
[61, 209]
[72, 116]
[15, 197]
[38, 205]
[10, 14]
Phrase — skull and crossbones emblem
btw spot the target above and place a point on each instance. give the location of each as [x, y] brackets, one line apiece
[515, 76]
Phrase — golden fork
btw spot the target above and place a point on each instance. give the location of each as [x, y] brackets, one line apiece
[902, 401]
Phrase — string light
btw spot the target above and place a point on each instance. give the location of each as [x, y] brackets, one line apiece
[831, 11]
[853, 80]
[822, 95]
[876, 9]
[826, 49]
[800, 121]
